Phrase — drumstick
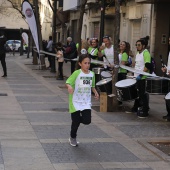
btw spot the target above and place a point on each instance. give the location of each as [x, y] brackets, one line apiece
[163, 65]
[106, 59]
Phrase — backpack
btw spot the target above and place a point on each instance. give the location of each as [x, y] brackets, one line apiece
[153, 66]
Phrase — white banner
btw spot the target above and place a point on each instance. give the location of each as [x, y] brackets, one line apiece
[25, 37]
[30, 19]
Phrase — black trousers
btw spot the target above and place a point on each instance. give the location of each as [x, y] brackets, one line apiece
[143, 99]
[168, 109]
[60, 69]
[49, 60]
[73, 66]
[78, 117]
[3, 62]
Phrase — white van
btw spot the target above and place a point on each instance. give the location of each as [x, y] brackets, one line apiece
[17, 42]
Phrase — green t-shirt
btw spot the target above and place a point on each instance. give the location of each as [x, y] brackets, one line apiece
[77, 46]
[82, 84]
[124, 57]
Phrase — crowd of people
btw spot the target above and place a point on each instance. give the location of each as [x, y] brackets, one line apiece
[105, 53]
[81, 83]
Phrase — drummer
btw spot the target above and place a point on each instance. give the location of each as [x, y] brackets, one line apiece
[93, 51]
[166, 117]
[142, 63]
[164, 69]
[123, 59]
[107, 50]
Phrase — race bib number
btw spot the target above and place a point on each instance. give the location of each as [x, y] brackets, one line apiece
[86, 81]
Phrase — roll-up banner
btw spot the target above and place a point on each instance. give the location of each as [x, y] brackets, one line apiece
[25, 37]
[30, 19]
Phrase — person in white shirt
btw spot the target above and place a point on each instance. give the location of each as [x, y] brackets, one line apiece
[107, 50]
[50, 49]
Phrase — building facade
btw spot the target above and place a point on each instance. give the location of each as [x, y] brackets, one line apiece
[11, 18]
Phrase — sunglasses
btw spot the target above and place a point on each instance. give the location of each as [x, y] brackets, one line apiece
[106, 37]
[94, 39]
[137, 45]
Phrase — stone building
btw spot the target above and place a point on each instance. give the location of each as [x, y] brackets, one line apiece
[139, 18]
[11, 18]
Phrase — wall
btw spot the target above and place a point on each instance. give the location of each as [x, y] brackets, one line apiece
[162, 28]
[135, 23]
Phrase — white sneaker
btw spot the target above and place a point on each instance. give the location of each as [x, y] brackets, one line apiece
[73, 142]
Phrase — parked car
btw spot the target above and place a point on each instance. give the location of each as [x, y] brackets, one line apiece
[8, 45]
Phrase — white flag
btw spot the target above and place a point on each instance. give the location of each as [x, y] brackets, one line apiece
[30, 18]
[25, 37]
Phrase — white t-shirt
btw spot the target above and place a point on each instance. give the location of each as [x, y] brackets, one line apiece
[82, 84]
[109, 53]
[139, 63]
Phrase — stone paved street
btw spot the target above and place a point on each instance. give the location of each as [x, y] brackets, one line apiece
[35, 127]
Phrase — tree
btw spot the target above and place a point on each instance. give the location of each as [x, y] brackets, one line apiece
[116, 53]
[60, 18]
[37, 16]
[80, 22]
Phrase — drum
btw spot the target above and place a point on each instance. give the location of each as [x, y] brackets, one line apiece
[106, 74]
[105, 85]
[126, 90]
[97, 71]
[157, 86]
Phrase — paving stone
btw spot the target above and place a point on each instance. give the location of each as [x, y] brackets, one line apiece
[88, 152]
[39, 99]
[65, 166]
[109, 165]
[128, 169]
[49, 117]
[63, 131]
[31, 91]
[2, 167]
[90, 166]
[25, 86]
[23, 82]
[125, 117]
[1, 157]
[147, 130]
[43, 106]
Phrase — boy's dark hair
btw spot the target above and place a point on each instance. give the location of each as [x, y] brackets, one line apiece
[81, 58]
